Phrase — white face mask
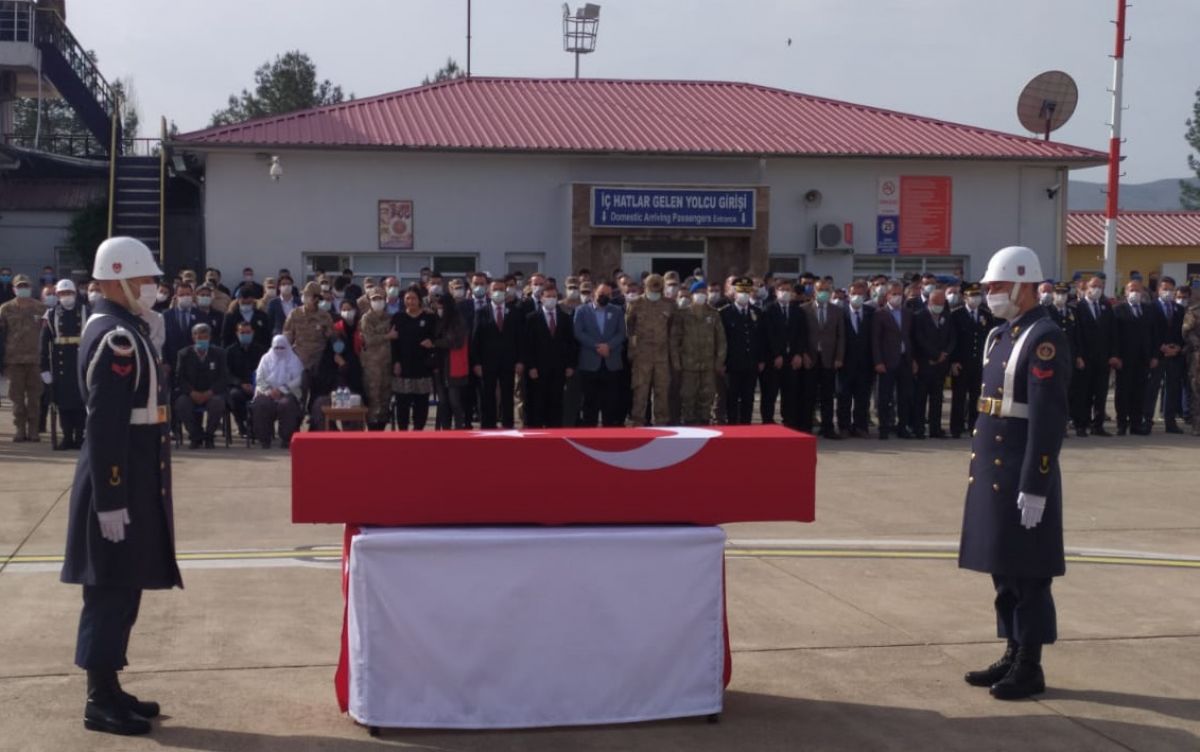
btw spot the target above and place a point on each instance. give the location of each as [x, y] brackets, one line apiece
[377, 305]
[672, 291]
[699, 298]
[973, 301]
[1002, 304]
[146, 296]
[856, 301]
[435, 291]
[953, 298]
[1167, 295]
[67, 301]
[94, 297]
[204, 302]
[784, 297]
[183, 301]
[1134, 298]
[654, 297]
[323, 305]
[49, 300]
[549, 302]
[936, 310]
[161, 297]
[498, 296]
[348, 316]
[1060, 299]
[536, 290]
[895, 301]
[459, 293]
[742, 299]
[632, 297]
[683, 302]
[1046, 298]
[928, 290]
[1094, 293]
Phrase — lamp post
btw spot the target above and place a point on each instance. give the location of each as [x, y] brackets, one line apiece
[579, 31]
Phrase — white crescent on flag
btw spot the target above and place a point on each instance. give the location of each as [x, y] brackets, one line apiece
[663, 451]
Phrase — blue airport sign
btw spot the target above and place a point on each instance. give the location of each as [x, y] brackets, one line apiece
[694, 208]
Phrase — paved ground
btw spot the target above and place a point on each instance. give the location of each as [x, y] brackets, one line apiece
[849, 634]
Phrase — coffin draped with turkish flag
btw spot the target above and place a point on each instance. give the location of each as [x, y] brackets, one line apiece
[634, 476]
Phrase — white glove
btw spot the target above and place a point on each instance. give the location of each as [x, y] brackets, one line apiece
[45, 377]
[112, 524]
[1031, 509]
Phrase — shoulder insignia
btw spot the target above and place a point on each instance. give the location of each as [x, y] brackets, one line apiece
[1046, 351]
[121, 345]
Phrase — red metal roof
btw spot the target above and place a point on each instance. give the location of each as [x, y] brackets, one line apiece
[1178, 228]
[641, 117]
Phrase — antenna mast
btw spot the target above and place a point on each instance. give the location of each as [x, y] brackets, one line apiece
[1114, 152]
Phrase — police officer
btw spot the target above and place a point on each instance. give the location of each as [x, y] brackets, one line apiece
[60, 361]
[972, 322]
[745, 351]
[120, 532]
[1012, 522]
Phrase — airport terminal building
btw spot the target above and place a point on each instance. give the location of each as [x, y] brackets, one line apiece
[505, 174]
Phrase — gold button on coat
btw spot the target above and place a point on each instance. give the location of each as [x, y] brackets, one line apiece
[997, 462]
[995, 486]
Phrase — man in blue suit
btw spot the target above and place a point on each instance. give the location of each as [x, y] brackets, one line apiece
[600, 330]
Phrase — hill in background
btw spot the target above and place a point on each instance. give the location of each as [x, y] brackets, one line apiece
[1159, 195]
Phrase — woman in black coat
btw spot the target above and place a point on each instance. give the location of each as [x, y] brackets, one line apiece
[413, 360]
[453, 372]
[339, 367]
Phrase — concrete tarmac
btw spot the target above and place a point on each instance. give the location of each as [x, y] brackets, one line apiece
[848, 634]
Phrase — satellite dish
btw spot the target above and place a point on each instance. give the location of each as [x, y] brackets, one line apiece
[1047, 102]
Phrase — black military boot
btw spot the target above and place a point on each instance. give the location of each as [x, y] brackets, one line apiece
[995, 672]
[144, 708]
[1025, 679]
[105, 711]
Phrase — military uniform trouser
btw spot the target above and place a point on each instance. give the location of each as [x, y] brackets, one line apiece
[696, 392]
[378, 383]
[1025, 610]
[653, 375]
[105, 623]
[25, 390]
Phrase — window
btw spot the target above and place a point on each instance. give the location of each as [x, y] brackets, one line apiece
[406, 266]
[785, 266]
[525, 263]
[895, 266]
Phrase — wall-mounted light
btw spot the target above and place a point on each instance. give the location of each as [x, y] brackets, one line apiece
[276, 169]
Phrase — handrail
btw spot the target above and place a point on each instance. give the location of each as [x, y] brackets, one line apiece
[113, 154]
[52, 30]
[162, 196]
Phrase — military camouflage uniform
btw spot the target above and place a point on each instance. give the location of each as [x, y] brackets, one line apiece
[20, 357]
[308, 332]
[651, 351]
[701, 351]
[1191, 338]
[376, 360]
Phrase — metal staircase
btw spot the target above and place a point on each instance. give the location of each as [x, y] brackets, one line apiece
[71, 71]
[137, 200]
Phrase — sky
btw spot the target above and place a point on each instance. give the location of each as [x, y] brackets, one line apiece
[960, 60]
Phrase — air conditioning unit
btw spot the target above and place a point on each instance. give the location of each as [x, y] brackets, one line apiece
[833, 237]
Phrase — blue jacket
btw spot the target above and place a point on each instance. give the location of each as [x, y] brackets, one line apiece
[589, 335]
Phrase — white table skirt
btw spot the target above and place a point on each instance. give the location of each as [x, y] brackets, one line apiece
[525, 627]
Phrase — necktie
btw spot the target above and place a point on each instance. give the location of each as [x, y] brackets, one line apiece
[856, 322]
[785, 316]
[1137, 311]
[821, 315]
[553, 328]
[1095, 311]
[500, 318]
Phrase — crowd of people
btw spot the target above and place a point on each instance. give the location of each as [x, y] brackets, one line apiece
[607, 350]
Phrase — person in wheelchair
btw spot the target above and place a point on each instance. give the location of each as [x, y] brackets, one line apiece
[202, 378]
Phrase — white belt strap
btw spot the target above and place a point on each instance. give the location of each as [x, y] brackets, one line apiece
[1008, 408]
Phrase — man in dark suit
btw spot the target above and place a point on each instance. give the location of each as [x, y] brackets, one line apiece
[241, 360]
[249, 313]
[745, 352]
[203, 379]
[933, 342]
[177, 326]
[971, 324]
[826, 352]
[256, 290]
[1138, 338]
[787, 342]
[599, 328]
[1096, 333]
[892, 351]
[550, 354]
[858, 369]
[1168, 378]
[282, 305]
[495, 349]
[1063, 314]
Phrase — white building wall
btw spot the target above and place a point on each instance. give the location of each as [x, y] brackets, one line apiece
[28, 239]
[493, 205]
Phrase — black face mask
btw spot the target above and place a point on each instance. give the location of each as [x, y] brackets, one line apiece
[602, 300]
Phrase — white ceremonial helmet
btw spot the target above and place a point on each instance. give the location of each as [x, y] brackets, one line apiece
[124, 258]
[1016, 263]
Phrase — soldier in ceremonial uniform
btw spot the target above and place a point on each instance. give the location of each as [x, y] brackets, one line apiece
[972, 322]
[745, 352]
[120, 530]
[1012, 522]
[60, 359]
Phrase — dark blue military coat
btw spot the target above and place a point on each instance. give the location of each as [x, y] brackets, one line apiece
[123, 465]
[60, 354]
[1011, 455]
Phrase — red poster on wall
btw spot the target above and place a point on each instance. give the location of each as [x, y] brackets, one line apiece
[924, 215]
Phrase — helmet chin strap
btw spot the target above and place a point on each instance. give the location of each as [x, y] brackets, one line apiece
[134, 305]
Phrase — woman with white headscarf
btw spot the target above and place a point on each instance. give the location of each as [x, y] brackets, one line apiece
[277, 393]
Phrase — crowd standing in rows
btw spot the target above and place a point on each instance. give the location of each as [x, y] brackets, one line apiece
[602, 350]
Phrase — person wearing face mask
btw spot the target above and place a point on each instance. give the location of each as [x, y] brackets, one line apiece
[671, 285]
[745, 351]
[971, 325]
[339, 368]
[892, 352]
[453, 364]
[346, 326]
[278, 387]
[1096, 333]
[653, 352]
[786, 332]
[241, 360]
[248, 282]
[162, 301]
[60, 362]
[351, 290]
[599, 327]
[1168, 378]
[178, 322]
[207, 311]
[376, 332]
[550, 354]
[494, 351]
[1190, 328]
[1138, 339]
[120, 538]
[202, 379]
[1046, 294]
[857, 376]
[1013, 512]
[280, 307]
[826, 353]
[702, 354]
[270, 292]
[1063, 314]
[309, 328]
[212, 278]
[933, 342]
[20, 355]
[246, 312]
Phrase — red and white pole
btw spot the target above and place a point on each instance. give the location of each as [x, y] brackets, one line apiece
[1114, 154]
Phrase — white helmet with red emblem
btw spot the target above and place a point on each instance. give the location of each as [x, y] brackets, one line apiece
[124, 258]
[1016, 263]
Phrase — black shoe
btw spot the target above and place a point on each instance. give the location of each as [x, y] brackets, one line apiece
[63, 445]
[883, 435]
[1173, 428]
[209, 443]
[266, 445]
[1025, 679]
[938, 435]
[106, 711]
[1122, 431]
[1081, 433]
[143, 708]
[995, 672]
[1099, 431]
